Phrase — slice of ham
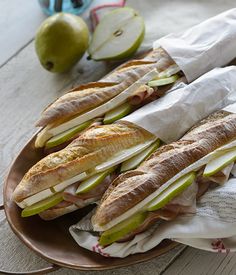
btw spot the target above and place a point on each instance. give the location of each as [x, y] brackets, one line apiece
[222, 176]
[152, 218]
[62, 204]
[140, 95]
[96, 192]
[146, 94]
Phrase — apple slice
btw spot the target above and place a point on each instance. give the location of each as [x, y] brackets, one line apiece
[163, 81]
[117, 113]
[171, 191]
[219, 163]
[42, 205]
[93, 181]
[122, 229]
[65, 136]
[118, 35]
[134, 162]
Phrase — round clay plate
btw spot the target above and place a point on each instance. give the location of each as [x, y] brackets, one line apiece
[51, 239]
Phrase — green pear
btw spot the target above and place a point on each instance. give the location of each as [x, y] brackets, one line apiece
[61, 41]
[93, 181]
[42, 205]
[122, 229]
[218, 163]
[118, 35]
[134, 162]
[67, 135]
[117, 113]
[163, 81]
[172, 191]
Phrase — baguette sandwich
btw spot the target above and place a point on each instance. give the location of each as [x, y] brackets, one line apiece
[169, 181]
[129, 87]
[79, 174]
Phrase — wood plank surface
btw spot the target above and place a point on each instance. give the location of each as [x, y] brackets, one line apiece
[19, 20]
[195, 262]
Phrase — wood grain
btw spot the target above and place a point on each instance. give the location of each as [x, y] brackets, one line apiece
[19, 21]
[194, 261]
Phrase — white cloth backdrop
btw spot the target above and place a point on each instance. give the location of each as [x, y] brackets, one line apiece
[161, 17]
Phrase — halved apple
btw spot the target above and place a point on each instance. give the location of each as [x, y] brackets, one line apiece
[134, 162]
[93, 181]
[65, 136]
[42, 205]
[163, 81]
[117, 113]
[172, 191]
[118, 35]
[121, 229]
[218, 163]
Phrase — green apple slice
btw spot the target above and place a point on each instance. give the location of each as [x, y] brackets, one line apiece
[163, 81]
[65, 136]
[118, 35]
[134, 162]
[172, 191]
[93, 181]
[42, 205]
[219, 163]
[117, 113]
[122, 229]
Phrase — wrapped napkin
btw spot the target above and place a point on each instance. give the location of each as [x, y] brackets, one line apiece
[210, 92]
[212, 227]
[203, 47]
[213, 91]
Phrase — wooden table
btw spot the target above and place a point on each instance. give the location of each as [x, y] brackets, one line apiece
[25, 89]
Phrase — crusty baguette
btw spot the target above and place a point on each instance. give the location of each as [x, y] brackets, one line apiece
[88, 96]
[93, 147]
[132, 187]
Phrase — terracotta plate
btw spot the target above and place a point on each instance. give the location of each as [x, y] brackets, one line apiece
[51, 240]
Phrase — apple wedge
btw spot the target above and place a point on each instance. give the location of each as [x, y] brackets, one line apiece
[42, 205]
[163, 81]
[122, 229]
[118, 35]
[93, 181]
[218, 163]
[172, 191]
[134, 162]
[65, 136]
[117, 113]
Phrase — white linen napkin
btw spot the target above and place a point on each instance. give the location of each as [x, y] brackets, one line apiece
[203, 47]
[212, 228]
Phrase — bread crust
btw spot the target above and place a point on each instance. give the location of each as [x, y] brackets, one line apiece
[93, 147]
[88, 96]
[134, 186]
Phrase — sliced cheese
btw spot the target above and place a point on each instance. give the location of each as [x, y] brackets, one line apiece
[122, 156]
